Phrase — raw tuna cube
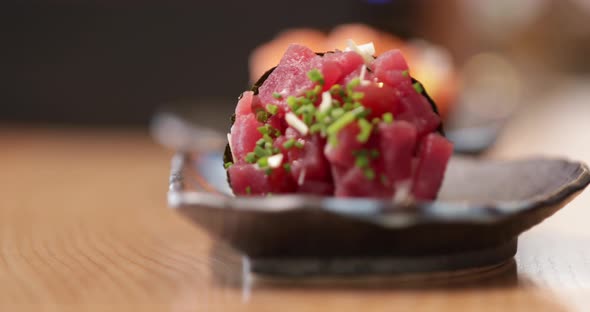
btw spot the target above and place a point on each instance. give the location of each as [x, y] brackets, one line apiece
[355, 184]
[416, 109]
[331, 72]
[397, 145]
[380, 100]
[390, 67]
[246, 179]
[290, 76]
[312, 165]
[432, 163]
[244, 106]
[280, 181]
[341, 154]
[244, 135]
[316, 188]
[347, 61]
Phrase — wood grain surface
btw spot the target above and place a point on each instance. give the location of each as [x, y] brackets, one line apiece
[84, 227]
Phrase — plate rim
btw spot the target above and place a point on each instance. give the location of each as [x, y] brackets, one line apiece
[377, 211]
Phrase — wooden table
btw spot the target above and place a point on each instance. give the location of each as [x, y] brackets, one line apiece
[84, 226]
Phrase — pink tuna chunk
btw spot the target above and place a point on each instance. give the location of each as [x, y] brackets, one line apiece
[432, 163]
[397, 144]
[244, 134]
[290, 76]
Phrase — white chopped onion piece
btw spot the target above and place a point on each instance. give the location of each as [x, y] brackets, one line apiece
[275, 161]
[366, 50]
[301, 177]
[365, 83]
[403, 192]
[296, 123]
[363, 73]
[326, 102]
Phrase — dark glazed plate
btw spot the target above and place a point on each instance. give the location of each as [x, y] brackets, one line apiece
[482, 208]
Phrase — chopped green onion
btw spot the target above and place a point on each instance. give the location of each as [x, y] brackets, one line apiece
[292, 102]
[316, 76]
[375, 121]
[312, 94]
[308, 119]
[304, 101]
[337, 112]
[387, 118]
[259, 151]
[289, 143]
[261, 116]
[298, 144]
[228, 164]
[369, 173]
[343, 121]
[353, 84]
[277, 96]
[357, 96]
[418, 87]
[365, 133]
[361, 152]
[287, 167]
[315, 128]
[405, 73]
[365, 113]
[272, 109]
[248, 190]
[251, 158]
[361, 161]
[262, 162]
[332, 139]
[306, 109]
[319, 115]
[374, 153]
[267, 131]
[348, 106]
[335, 89]
[263, 129]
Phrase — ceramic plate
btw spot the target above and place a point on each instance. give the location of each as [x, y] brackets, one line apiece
[482, 208]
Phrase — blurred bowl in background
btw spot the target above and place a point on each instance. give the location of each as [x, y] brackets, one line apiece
[491, 92]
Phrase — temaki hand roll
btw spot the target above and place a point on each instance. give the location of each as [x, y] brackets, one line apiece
[340, 123]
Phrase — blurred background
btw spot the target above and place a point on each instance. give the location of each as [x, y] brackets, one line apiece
[105, 63]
